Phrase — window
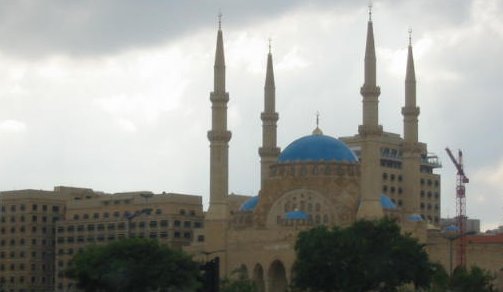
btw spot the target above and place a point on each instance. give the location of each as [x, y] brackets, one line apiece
[153, 223]
[199, 224]
[158, 211]
[177, 234]
[177, 223]
[34, 207]
[34, 218]
[192, 213]
[200, 238]
[55, 209]
[85, 216]
[70, 228]
[13, 208]
[106, 215]
[96, 215]
[117, 214]
[44, 208]
[22, 207]
[187, 224]
[76, 217]
[182, 211]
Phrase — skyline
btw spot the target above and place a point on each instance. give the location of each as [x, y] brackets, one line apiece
[89, 98]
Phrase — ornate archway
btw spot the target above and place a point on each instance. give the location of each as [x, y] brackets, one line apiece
[258, 278]
[277, 277]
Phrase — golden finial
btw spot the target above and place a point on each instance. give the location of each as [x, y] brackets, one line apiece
[370, 10]
[220, 20]
[410, 36]
[317, 131]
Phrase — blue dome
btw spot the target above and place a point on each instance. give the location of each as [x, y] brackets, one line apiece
[296, 215]
[386, 202]
[250, 204]
[451, 228]
[415, 218]
[317, 148]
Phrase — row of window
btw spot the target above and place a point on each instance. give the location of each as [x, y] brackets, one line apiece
[111, 237]
[429, 182]
[429, 206]
[391, 177]
[34, 218]
[12, 255]
[34, 207]
[21, 280]
[399, 177]
[430, 194]
[132, 225]
[21, 267]
[118, 214]
[392, 190]
[22, 229]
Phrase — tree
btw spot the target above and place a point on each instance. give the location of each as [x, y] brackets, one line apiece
[475, 279]
[238, 282]
[369, 255]
[133, 265]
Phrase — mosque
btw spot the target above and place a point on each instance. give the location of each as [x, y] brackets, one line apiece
[316, 180]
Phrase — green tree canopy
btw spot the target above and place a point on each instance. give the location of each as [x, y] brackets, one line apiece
[474, 279]
[133, 265]
[369, 255]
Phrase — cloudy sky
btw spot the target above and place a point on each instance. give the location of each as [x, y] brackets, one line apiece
[114, 95]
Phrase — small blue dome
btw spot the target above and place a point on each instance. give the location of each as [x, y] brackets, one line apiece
[451, 228]
[296, 215]
[250, 204]
[386, 202]
[415, 218]
[317, 147]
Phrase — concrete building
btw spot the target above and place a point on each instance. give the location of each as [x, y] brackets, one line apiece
[42, 230]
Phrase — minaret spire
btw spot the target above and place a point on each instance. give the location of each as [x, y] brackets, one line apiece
[219, 136]
[370, 132]
[410, 111]
[370, 91]
[269, 151]
[411, 150]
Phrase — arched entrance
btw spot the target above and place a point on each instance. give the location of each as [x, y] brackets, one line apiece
[258, 278]
[277, 277]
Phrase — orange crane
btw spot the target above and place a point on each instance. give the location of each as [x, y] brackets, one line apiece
[460, 206]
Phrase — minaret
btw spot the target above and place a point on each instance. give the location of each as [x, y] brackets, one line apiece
[269, 151]
[370, 132]
[219, 137]
[411, 151]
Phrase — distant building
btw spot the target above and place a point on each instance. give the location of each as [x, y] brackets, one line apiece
[42, 230]
[472, 225]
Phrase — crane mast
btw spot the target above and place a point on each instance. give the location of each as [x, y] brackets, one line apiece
[461, 180]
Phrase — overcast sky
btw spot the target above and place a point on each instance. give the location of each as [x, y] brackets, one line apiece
[114, 95]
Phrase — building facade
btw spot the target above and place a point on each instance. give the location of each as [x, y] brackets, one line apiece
[317, 180]
[42, 230]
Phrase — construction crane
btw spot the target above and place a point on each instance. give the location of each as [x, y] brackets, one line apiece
[460, 206]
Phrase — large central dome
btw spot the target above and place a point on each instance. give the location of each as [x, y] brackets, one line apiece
[317, 147]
